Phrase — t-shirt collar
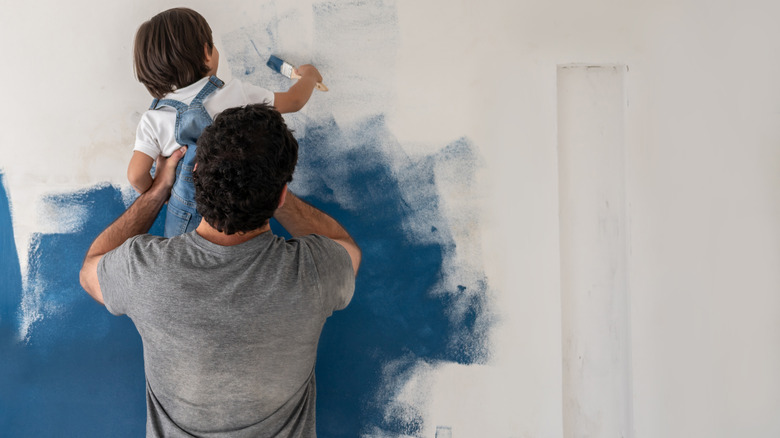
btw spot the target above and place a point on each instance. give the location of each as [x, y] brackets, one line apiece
[253, 245]
[190, 91]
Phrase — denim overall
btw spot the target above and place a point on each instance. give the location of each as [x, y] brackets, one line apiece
[191, 120]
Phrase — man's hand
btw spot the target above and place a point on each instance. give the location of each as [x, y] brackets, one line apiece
[136, 220]
[165, 175]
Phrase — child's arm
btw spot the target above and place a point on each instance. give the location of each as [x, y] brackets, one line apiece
[138, 171]
[296, 97]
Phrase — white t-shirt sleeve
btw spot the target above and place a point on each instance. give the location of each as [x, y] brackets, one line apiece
[255, 94]
[145, 139]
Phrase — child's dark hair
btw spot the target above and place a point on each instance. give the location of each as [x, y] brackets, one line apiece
[244, 159]
[169, 50]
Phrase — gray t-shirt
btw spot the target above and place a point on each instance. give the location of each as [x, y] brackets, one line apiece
[229, 333]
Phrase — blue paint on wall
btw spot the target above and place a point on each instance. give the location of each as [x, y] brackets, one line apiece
[79, 372]
[10, 276]
[396, 316]
[81, 368]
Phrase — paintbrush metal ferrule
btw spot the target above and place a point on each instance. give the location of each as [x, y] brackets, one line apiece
[287, 70]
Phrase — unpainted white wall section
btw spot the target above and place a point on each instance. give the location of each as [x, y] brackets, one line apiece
[594, 282]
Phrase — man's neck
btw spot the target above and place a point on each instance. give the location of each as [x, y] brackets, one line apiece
[213, 235]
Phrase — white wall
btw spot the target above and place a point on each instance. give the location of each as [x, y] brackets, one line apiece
[702, 174]
[702, 171]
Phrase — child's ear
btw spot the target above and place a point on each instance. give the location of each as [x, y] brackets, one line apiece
[207, 51]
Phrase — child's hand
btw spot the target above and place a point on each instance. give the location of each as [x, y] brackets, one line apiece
[309, 71]
[296, 97]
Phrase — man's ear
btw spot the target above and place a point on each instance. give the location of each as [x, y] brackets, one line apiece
[283, 196]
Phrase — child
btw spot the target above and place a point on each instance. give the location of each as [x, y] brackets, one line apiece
[176, 60]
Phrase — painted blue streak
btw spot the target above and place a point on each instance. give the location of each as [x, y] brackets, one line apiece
[80, 372]
[10, 275]
[394, 316]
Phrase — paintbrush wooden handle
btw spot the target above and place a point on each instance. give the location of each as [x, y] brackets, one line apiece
[320, 86]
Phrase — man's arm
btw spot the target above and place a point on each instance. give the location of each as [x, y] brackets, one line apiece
[296, 97]
[301, 219]
[136, 220]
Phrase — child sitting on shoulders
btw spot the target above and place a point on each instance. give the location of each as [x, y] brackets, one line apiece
[175, 58]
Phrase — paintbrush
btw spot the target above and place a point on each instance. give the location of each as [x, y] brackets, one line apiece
[288, 70]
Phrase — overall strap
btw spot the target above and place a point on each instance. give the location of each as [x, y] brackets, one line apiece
[157, 103]
[213, 83]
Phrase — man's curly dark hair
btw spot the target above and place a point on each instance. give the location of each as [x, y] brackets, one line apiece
[244, 159]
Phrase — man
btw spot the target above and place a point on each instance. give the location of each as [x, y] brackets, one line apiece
[230, 315]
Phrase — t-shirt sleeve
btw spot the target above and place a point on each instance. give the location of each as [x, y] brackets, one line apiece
[145, 140]
[334, 268]
[255, 94]
[115, 275]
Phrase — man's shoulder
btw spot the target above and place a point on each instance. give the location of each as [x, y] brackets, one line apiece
[143, 250]
[142, 243]
[323, 248]
[146, 238]
[312, 239]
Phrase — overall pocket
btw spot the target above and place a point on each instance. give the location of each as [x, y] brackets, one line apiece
[176, 220]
